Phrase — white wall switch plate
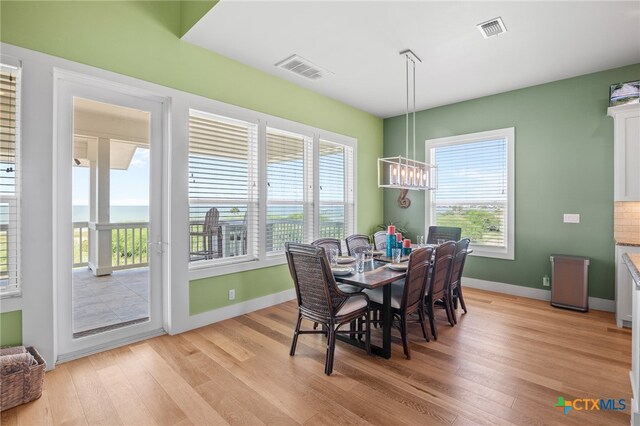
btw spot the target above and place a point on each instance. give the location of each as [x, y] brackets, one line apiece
[232, 294]
[571, 218]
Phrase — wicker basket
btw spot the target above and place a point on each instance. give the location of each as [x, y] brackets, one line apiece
[22, 386]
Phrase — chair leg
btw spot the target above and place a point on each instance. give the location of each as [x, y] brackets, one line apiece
[453, 310]
[432, 320]
[447, 308]
[331, 346]
[295, 336]
[461, 297]
[367, 338]
[403, 332]
[423, 323]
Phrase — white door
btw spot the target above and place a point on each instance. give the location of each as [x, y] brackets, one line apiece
[108, 233]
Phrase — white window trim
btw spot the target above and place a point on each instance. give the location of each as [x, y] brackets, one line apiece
[11, 297]
[509, 134]
[218, 267]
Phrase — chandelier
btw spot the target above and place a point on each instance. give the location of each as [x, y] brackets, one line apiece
[403, 172]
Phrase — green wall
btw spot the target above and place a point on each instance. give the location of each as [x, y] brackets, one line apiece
[11, 328]
[141, 39]
[192, 11]
[563, 164]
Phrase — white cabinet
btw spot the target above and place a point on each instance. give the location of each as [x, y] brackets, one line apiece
[635, 354]
[624, 287]
[626, 151]
[635, 362]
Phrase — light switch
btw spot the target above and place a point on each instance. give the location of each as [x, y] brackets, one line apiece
[571, 218]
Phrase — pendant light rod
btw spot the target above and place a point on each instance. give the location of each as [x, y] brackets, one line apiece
[410, 56]
[406, 126]
[414, 110]
[407, 173]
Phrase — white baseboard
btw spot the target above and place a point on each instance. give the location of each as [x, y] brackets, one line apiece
[533, 293]
[209, 317]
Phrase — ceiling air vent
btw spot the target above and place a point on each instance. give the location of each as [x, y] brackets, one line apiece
[298, 65]
[492, 27]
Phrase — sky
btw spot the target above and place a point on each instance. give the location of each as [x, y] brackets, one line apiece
[128, 187]
[471, 172]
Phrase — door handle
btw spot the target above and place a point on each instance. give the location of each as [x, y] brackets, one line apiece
[159, 245]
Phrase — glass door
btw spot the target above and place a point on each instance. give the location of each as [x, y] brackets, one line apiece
[111, 290]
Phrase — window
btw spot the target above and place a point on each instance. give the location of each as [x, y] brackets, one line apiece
[9, 180]
[289, 190]
[255, 186]
[223, 201]
[336, 190]
[475, 189]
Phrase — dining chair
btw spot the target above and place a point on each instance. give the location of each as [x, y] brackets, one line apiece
[437, 287]
[211, 237]
[448, 233]
[407, 297]
[380, 240]
[355, 242]
[328, 243]
[455, 280]
[320, 300]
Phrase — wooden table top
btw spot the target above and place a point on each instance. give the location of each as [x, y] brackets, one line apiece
[376, 274]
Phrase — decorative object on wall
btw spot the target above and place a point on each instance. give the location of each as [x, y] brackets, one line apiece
[624, 93]
[403, 172]
[403, 201]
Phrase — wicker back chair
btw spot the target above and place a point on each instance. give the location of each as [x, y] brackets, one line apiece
[439, 283]
[356, 242]
[320, 300]
[211, 235]
[328, 243]
[380, 240]
[408, 298]
[455, 284]
[447, 233]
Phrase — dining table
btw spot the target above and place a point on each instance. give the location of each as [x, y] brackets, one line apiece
[376, 274]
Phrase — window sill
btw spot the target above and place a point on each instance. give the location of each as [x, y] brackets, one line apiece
[492, 252]
[208, 271]
[10, 302]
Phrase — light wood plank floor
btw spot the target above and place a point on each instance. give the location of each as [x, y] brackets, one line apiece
[506, 362]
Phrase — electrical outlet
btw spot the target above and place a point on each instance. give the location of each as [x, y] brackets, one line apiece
[571, 218]
[545, 281]
[232, 294]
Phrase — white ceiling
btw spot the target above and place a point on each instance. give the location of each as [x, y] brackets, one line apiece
[359, 42]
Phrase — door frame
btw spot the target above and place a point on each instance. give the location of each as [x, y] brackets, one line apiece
[66, 85]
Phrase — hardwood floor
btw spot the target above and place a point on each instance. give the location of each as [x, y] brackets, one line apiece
[506, 362]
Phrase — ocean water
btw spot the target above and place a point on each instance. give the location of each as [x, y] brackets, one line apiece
[119, 214]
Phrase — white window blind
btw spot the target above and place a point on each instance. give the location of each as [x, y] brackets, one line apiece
[336, 190]
[9, 180]
[473, 189]
[223, 202]
[289, 190]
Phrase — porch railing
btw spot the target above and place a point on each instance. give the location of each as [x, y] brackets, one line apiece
[128, 244]
[129, 240]
[4, 254]
[80, 244]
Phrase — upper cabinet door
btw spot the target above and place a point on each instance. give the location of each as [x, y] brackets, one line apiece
[626, 152]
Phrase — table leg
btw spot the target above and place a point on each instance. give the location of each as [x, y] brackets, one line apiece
[387, 321]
